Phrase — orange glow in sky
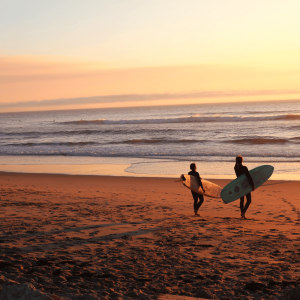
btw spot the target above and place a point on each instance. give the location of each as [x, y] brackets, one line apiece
[192, 51]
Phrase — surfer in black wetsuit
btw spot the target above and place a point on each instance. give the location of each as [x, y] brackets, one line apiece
[196, 195]
[240, 170]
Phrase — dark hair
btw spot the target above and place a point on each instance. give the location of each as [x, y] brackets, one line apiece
[239, 159]
[193, 166]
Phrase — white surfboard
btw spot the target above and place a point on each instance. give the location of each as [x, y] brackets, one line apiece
[211, 189]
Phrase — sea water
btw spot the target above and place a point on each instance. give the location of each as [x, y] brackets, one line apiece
[161, 140]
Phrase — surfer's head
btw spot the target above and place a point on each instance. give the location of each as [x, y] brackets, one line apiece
[193, 166]
[239, 159]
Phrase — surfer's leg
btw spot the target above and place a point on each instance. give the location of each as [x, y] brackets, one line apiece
[195, 196]
[248, 197]
[201, 200]
[242, 206]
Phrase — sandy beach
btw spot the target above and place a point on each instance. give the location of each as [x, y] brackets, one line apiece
[104, 237]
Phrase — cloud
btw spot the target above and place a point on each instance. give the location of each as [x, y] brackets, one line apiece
[43, 68]
[68, 84]
[147, 97]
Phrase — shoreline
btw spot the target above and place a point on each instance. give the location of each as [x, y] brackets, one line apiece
[91, 170]
[138, 167]
[114, 170]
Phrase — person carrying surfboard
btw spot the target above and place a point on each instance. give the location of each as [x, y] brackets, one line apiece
[240, 170]
[196, 196]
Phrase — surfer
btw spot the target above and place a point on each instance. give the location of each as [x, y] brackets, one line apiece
[196, 196]
[240, 170]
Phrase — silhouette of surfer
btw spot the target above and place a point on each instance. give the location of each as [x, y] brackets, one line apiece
[196, 196]
[240, 170]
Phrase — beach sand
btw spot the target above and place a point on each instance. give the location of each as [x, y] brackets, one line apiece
[105, 237]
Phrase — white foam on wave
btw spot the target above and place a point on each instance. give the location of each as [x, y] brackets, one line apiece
[197, 118]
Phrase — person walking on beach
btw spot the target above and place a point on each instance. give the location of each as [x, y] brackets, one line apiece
[240, 170]
[196, 196]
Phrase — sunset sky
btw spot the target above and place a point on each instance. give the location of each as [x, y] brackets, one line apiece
[62, 54]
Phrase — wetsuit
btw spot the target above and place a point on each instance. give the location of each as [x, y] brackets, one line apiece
[196, 195]
[240, 170]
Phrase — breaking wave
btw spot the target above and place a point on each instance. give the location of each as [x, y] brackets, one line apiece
[157, 141]
[191, 119]
[53, 144]
[259, 141]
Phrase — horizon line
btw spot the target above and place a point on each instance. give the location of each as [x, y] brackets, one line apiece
[155, 105]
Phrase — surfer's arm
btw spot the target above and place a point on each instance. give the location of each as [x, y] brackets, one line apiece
[236, 173]
[202, 186]
[250, 179]
[200, 183]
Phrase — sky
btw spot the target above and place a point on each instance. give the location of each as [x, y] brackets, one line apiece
[61, 54]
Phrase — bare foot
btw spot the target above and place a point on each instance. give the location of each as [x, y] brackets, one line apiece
[196, 214]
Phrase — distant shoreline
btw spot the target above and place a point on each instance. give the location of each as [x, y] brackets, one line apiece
[137, 166]
[113, 171]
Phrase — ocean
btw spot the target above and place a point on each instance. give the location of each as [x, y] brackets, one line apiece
[158, 141]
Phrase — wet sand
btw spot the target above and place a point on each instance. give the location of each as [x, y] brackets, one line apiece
[101, 237]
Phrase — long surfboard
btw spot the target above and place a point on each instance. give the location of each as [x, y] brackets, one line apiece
[241, 186]
[211, 189]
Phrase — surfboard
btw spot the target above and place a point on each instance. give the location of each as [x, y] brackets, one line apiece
[211, 189]
[241, 186]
